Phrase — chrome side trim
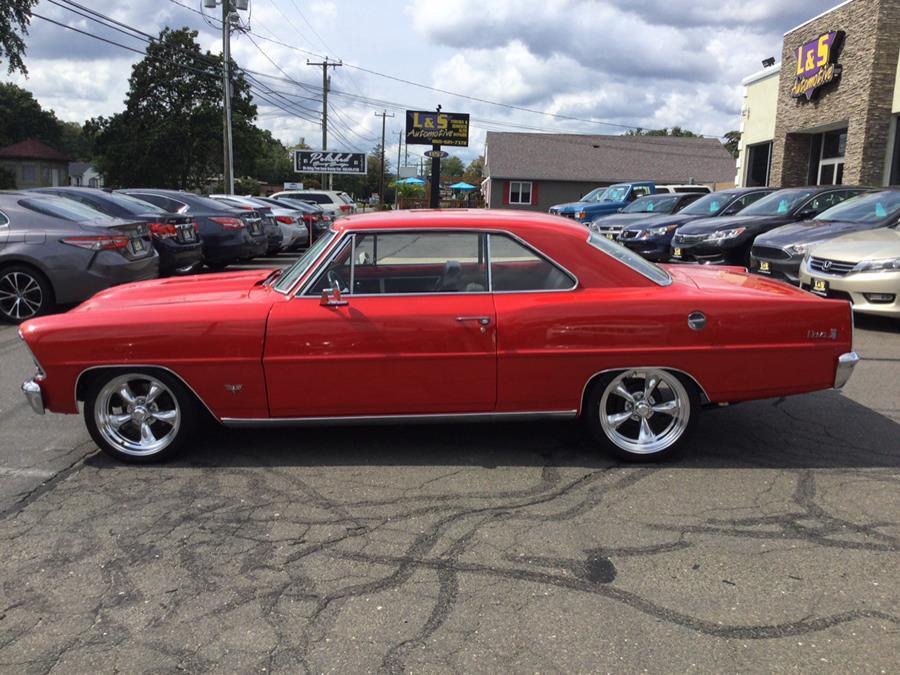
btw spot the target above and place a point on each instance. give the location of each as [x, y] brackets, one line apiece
[120, 366]
[703, 394]
[32, 391]
[348, 420]
[845, 365]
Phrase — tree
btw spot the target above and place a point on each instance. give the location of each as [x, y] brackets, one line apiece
[674, 131]
[475, 171]
[21, 117]
[452, 166]
[170, 134]
[732, 141]
[7, 179]
[15, 15]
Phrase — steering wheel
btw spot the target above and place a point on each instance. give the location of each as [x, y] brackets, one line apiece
[335, 278]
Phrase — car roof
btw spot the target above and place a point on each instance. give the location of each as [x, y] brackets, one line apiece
[465, 219]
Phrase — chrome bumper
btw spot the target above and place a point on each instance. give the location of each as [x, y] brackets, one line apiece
[845, 365]
[32, 391]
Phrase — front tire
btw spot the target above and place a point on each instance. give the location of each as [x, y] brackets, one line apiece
[139, 416]
[24, 293]
[642, 414]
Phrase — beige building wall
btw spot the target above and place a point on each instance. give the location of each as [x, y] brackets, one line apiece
[896, 106]
[757, 114]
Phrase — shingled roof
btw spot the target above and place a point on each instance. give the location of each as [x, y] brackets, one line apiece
[575, 157]
[32, 149]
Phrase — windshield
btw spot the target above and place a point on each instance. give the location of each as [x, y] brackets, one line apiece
[345, 197]
[65, 208]
[652, 204]
[630, 258]
[709, 205]
[778, 203]
[135, 207]
[290, 276]
[869, 208]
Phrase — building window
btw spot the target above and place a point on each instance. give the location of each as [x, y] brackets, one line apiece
[831, 158]
[520, 192]
[759, 163]
[93, 182]
[29, 173]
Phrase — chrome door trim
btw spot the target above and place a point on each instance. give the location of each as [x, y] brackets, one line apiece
[425, 418]
[145, 365]
[703, 394]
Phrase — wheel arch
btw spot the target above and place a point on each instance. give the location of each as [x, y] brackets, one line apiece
[27, 261]
[585, 392]
[86, 376]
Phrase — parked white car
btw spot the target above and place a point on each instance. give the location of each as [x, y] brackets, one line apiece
[333, 202]
[290, 221]
[686, 187]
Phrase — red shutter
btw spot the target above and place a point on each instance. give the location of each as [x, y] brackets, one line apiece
[534, 193]
[505, 186]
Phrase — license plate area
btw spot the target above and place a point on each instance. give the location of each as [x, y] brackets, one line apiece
[137, 246]
[676, 252]
[764, 267]
[186, 234]
[819, 287]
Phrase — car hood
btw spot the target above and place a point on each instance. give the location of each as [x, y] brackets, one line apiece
[580, 206]
[705, 225]
[662, 219]
[195, 289]
[866, 245]
[624, 218]
[809, 231]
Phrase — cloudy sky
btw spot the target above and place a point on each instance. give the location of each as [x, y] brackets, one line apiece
[608, 64]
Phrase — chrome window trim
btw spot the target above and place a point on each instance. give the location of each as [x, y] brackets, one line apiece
[622, 262]
[301, 292]
[312, 268]
[423, 418]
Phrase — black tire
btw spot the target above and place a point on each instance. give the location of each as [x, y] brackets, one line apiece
[39, 291]
[676, 384]
[190, 414]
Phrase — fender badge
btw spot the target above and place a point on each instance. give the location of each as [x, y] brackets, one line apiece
[822, 334]
[233, 388]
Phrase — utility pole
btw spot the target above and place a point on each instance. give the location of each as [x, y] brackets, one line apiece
[228, 159]
[383, 115]
[326, 83]
[399, 148]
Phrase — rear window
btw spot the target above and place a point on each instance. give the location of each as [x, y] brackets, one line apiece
[135, 207]
[345, 197]
[65, 209]
[311, 197]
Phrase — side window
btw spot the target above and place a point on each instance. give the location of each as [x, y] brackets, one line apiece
[743, 202]
[414, 262]
[640, 191]
[515, 267]
[156, 200]
[4, 221]
[826, 201]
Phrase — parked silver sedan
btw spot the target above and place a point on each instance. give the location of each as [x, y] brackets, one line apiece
[54, 251]
[290, 221]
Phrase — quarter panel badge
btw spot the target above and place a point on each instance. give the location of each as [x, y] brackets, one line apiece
[233, 388]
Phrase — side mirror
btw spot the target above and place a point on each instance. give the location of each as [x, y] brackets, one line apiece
[331, 297]
[806, 214]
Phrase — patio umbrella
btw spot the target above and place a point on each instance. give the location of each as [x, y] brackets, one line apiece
[411, 181]
[462, 186]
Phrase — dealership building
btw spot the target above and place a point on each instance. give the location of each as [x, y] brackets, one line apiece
[829, 112]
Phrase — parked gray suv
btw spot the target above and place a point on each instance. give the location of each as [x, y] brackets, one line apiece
[54, 251]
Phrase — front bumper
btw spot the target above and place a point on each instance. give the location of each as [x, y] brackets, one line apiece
[33, 394]
[860, 288]
[845, 365]
[711, 254]
[786, 269]
[657, 250]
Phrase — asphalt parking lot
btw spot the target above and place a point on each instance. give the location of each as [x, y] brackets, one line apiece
[773, 544]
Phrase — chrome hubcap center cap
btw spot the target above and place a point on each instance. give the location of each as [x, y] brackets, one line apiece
[643, 409]
[140, 414]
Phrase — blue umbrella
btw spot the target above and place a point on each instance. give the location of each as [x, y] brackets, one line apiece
[411, 181]
[462, 186]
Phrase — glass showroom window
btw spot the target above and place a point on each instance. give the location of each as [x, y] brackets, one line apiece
[520, 192]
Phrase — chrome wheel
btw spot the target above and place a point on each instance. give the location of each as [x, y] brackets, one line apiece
[644, 411]
[21, 296]
[137, 414]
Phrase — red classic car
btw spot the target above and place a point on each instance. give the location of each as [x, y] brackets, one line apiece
[437, 315]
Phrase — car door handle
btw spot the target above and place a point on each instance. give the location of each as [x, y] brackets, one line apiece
[483, 320]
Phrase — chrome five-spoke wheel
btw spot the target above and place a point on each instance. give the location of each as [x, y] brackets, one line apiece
[643, 413]
[138, 416]
[21, 295]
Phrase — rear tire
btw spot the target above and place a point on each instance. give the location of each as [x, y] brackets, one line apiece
[24, 293]
[138, 415]
[642, 414]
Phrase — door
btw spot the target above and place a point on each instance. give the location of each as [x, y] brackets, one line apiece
[416, 335]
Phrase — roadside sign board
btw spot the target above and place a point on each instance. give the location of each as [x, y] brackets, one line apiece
[326, 161]
[425, 127]
[436, 153]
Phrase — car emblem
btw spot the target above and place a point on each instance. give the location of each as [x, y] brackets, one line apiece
[826, 265]
[233, 388]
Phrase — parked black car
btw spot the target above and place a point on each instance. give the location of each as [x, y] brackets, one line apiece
[228, 235]
[728, 240]
[274, 237]
[652, 235]
[611, 225]
[55, 251]
[779, 253]
[175, 237]
[317, 218]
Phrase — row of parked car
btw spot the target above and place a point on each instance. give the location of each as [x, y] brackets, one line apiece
[836, 241]
[60, 245]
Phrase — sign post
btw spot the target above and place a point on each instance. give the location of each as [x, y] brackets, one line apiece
[436, 129]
